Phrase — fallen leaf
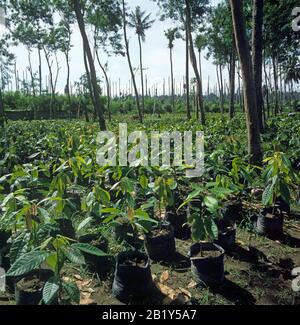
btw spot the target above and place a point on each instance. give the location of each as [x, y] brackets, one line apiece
[167, 291]
[193, 284]
[164, 276]
[85, 299]
[78, 277]
[186, 292]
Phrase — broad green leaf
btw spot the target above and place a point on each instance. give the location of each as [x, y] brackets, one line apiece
[19, 246]
[84, 223]
[74, 255]
[86, 248]
[28, 262]
[198, 230]
[144, 181]
[211, 203]
[50, 290]
[72, 291]
[267, 196]
[52, 261]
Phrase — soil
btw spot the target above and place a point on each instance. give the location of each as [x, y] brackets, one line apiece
[227, 229]
[257, 271]
[273, 216]
[30, 284]
[207, 254]
[135, 262]
[159, 233]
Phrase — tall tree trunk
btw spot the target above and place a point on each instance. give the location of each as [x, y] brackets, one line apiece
[40, 71]
[195, 64]
[221, 89]
[232, 82]
[96, 92]
[88, 77]
[130, 64]
[67, 90]
[31, 72]
[107, 85]
[243, 50]
[187, 72]
[276, 108]
[266, 88]
[142, 74]
[51, 83]
[16, 76]
[172, 79]
[2, 111]
[257, 58]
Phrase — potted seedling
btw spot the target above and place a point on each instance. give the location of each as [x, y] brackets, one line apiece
[41, 272]
[207, 257]
[133, 278]
[279, 180]
[99, 264]
[160, 241]
[178, 218]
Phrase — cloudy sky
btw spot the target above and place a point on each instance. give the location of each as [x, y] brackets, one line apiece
[156, 56]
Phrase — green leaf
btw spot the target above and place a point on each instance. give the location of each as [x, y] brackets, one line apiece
[211, 228]
[74, 255]
[102, 195]
[285, 193]
[267, 196]
[127, 185]
[87, 248]
[84, 223]
[198, 230]
[50, 290]
[44, 214]
[52, 261]
[144, 181]
[211, 203]
[28, 262]
[19, 246]
[72, 291]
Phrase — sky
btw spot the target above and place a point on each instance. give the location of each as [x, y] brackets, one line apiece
[155, 57]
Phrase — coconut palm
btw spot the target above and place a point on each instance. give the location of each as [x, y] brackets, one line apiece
[139, 20]
[171, 35]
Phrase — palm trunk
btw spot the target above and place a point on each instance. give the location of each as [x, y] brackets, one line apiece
[172, 80]
[142, 74]
[130, 64]
[187, 72]
[242, 44]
